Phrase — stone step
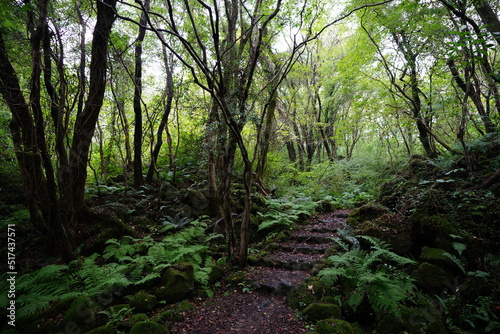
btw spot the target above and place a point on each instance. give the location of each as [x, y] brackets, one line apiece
[303, 248]
[313, 237]
[275, 281]
[319, 228]
[291, 261]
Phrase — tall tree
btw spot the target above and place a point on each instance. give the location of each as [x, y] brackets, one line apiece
[138, 178]
[55, 196]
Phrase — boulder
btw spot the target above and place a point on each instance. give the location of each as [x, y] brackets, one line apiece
[143, 302]
[177, 284]
[319, 311]
[367, 212]
[334, 326]
[148, 327]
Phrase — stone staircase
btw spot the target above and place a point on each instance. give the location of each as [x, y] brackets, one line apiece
[293, 260]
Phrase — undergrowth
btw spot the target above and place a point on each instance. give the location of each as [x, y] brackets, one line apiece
[126, 262]
[374, 276]
[283, 212]
[344, 183]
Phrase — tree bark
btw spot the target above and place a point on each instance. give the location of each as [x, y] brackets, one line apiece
[76, 173]
[489, 17]
[138, 178]
[169, 90]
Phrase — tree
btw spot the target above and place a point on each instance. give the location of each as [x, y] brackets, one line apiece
[55, 195]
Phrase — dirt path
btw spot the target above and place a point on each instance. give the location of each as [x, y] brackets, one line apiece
[263, 310]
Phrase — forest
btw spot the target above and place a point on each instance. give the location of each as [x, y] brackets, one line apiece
[250, 166]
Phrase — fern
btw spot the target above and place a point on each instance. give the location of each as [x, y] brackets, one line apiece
[177, 222]
[39, 289]
[372, 275]
[88, 277]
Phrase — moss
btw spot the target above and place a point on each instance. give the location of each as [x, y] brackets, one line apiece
[177, 284]
[319, 311]
[434, 230]
[432, 278]
[135, 318]
[215, 274]
[425, 318]
[301, 296]
[357, 328]
[148, 327]
[334, 326]
[437, 256]
[367, 212]
[174, 313]
[143, 302]
[106, 329]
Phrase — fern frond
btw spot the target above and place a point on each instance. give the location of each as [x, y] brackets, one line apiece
[458, 262]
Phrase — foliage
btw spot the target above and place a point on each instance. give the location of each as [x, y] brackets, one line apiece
[374, 275]
[35, 291]
[176, 222]
[283, 212]
[474, 311]
[344, 183]
[124, 263]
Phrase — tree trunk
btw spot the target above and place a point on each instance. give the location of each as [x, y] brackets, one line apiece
[138, 178]
[169, 89]
[489, 17]
[85, 124]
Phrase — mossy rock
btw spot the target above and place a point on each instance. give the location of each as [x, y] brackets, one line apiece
[357, 328]
[434, 230]
[76, 313]
[215, 274]
[423, 319]
[106, 329]
[174, 313]
[143, 302]
[169, 193]
[421, 167]
[437, 256]
[135, 318]
[148, 327]
[81, 313]
[177, 284]
[432, 278]
[301, 296]
[319, 311]
[367, 212]
[334, 326]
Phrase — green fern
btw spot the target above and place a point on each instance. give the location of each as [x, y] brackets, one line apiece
[373, 275]
[177, 222]
[37, 290]
[90, 277]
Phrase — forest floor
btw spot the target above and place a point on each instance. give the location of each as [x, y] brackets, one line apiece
[260, 305]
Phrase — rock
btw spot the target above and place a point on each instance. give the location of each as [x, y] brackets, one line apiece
[148, 327]
[437, 256]
[394, 229]
[71, 314]
[433, 278]
[197, 202]
[215, 274]
[367, 212]
[334, 326]
[319, 311]
[106, 329]
[301, 296]
[174, 313]
[143, 302]
[434, 230]
[136, 318]
[176, 284]
[421, 319]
